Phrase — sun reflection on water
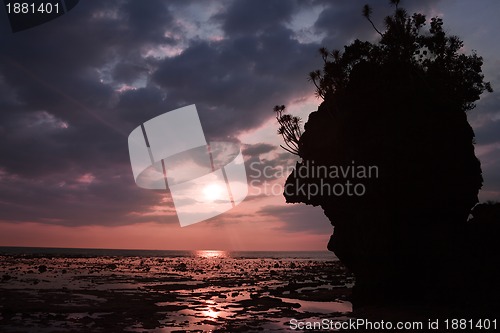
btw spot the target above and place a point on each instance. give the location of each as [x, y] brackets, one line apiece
[211, 254]
[212, 311]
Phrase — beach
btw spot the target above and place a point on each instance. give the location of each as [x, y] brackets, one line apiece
[169, 291]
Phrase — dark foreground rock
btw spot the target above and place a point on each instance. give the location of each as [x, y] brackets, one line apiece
[394, 122]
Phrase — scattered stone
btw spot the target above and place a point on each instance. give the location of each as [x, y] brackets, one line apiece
[182, 267]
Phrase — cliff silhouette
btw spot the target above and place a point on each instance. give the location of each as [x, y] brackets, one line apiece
[400, 105]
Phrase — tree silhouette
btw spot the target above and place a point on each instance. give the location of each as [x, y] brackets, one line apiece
[398, 104]
[289, 129]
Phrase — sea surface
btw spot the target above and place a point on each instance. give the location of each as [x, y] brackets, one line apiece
[82, 252]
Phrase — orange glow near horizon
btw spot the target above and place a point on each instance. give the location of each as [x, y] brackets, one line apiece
[211, 254]
[244, 236]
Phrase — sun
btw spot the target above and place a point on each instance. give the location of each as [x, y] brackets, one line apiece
[213, 192]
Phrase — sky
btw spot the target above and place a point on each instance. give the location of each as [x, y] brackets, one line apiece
[74, 88]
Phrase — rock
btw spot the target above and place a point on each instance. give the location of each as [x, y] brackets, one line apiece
[182, 267]
[111, 266]
[406, 222]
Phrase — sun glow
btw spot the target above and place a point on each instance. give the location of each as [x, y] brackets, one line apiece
[210, 254]
[213, 192]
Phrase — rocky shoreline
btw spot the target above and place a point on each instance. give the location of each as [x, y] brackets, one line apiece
[157, 294]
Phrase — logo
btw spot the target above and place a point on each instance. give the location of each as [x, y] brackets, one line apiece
[170, 152]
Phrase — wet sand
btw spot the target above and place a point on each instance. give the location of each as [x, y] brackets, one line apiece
[210, 292]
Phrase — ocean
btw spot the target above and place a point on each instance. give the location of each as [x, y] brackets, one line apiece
[84, 252]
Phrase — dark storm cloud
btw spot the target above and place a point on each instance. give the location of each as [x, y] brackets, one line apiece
[248, 17]
[487, 115]
[80, 199]
[258, 149]
[147, 20]
[128, 72]
[485, 119]
[490, 164]
[236, 82]
[55, 69]
[299, 218]
[57, 122]
[342, 21]
[140, 105]
[489, 133]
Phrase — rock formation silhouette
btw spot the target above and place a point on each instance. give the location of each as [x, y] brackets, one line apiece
[400, 105]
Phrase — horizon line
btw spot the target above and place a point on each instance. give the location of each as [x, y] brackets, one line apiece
[134, 249]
